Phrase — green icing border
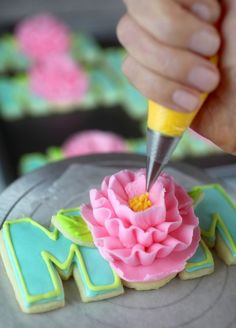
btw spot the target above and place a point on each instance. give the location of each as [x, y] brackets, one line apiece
[49, 259]
[210, 234]
[207, 262]
[73, 227]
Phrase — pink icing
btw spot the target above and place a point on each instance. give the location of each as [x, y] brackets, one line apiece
[42, 35]
[147, 245]
[94, 141]
[58, 79]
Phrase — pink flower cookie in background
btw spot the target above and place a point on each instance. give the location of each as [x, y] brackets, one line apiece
[146, 238]
[93, 141]
[58, 79]
[42, 35]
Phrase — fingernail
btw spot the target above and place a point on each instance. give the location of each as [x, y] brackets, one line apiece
[201, 10]
[186, 100]
[203, 78]
[205, 43]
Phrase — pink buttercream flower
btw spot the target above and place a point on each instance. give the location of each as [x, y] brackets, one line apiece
[59, 79]
[149, 244]
[42, 35]
[92, 142]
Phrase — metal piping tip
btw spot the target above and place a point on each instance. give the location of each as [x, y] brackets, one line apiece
[152, 172]
[159, 150]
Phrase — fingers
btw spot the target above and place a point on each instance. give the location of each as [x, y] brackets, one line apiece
[157, 88]
[172, 63]
[208, 10]
[167, 42]
[171, 24]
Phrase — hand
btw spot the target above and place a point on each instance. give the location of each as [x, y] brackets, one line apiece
[217, 118]
[168, 42]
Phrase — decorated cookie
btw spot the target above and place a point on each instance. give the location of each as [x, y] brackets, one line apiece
[144, 239]
[42, 35]
[217, 217]
[58, 79]
[15, 94]
[92, 142]
[11, 59]
[36, 259]
[147, 238]
[86, 49]
[200, 264]
[70, 223]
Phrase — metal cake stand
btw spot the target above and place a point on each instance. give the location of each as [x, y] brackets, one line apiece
[205, 302]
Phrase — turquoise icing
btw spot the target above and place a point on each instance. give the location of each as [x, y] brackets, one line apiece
[106, 88]
[197, 259]
[85, 48]
[98, 275]
[37, 105]
[137, 146]
[10, 103]
[216, 203]
[16, 98]
[199, 256]
[32, 103]
[133, 100]
[29, 241]
[32, 162]
[222, 234]
[10, 56]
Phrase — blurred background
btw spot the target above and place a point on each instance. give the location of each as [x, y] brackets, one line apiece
[62, 91]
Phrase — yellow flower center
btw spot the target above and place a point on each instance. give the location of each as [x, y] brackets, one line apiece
[140, 203]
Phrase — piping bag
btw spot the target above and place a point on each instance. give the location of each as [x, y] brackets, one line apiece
[165, 128]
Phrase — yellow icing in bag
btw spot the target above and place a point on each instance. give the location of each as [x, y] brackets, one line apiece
[169, 122]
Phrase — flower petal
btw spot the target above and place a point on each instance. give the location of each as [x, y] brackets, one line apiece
[121, 209]
[97, 198]
[157, 193]
[102, 214]
[161, 267]
[127, 235]
[167, 232]
[151, 217]
[87, 214]
[118, 189]
[105, 184]
[136, 187]
[185, 201]
[129, 256]
[125, 176]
